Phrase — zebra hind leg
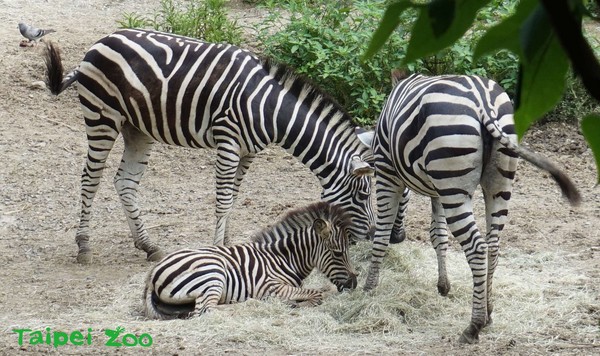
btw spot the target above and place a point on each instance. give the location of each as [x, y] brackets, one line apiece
[496, 184]
[461, 223]
[207, 300]
[438, 234]
[101, 139]
[133, 165]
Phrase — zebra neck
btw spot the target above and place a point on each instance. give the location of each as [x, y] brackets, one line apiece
[324, 142]
[286, 249]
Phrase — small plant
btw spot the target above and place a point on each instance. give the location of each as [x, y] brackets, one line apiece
[203, 19]
[131, 20]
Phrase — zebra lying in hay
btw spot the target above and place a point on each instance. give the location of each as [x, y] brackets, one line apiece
[441, 137]
[158, 87]
[191, 282]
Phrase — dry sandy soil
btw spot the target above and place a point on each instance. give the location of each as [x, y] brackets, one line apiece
[547, 288]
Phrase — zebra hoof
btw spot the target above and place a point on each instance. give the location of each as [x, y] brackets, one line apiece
[443, 289]
[155, 256]
[84, 257]
[470, 335]
[397, 236]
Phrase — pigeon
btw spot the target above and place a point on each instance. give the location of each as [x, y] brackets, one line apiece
[32, 33]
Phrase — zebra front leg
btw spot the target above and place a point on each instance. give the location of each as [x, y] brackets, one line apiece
[101, 139]
[461, 222]
[438, 235]
[133, 165]
[227, 170]
[388, 192]
[399, 231]
[297, 296]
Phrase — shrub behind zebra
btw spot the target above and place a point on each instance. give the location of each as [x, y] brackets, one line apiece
[441, 137]
[190, 282]
[153, 86]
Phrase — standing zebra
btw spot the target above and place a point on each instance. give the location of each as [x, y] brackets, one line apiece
[275, 263]
[441, 137]
[153, 86]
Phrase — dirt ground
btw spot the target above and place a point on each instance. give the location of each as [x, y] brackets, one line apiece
[42, 150]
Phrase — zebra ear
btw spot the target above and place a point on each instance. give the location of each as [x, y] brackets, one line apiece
[398, 75]
[366, 137]
[322, 228]
[360, 168]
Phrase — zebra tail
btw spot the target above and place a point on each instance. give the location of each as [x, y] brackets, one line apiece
[54, 68]
[564, 182]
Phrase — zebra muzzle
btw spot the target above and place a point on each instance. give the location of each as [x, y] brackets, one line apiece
[349, 284]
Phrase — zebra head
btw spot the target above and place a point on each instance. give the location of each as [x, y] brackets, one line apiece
[333, 260]
[353, 194]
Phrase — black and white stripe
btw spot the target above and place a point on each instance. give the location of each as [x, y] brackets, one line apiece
[441, 137]
[274, 264]
[153, 86]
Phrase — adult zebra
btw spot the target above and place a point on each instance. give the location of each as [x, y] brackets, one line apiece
[153, 86]
[441, 137]
[191, 282]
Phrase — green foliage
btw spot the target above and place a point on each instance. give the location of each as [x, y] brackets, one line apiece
[590, 126]
[528, 33]
[203, 19]
[323, 41]
[575, 103]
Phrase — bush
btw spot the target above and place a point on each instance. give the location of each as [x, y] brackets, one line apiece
[205, 19]
[575, 103]
[325, 41]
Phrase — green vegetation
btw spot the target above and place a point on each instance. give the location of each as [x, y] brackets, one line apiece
[206, 20]
[324, 40]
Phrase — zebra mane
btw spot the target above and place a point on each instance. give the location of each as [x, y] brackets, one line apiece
[283, 73]
[302, 218]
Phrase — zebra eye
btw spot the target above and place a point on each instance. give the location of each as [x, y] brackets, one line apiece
[337, 253]
[363, 195]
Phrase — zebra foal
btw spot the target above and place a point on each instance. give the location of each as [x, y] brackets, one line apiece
[274, 264]
[158, 87]
[441, 137]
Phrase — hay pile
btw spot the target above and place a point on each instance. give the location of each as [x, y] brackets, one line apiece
[541, 305]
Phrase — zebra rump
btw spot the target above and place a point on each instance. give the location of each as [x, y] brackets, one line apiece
[442, 137]
[190, 282]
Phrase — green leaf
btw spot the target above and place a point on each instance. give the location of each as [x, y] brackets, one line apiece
[590, 126]
[535, 33]
[506, 34]
[441, 13]
[541, 85]
[389, 22]
[431, 32]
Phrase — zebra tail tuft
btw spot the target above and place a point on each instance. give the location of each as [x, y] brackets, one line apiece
[54, 68]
